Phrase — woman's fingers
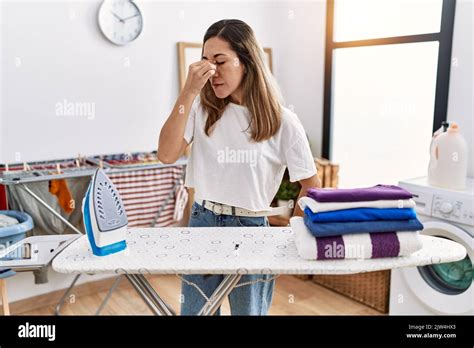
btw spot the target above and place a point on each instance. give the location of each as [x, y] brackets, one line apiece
[197, 66]
[199, 73]
[206, 67]
[209, 74]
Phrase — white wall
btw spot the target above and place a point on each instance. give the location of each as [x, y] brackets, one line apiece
[299, 41]
[461, 101]
[64, 56]
[54, 51]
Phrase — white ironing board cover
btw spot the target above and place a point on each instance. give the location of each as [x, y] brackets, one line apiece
[204, 250]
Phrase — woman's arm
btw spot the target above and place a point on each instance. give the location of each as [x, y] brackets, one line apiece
[171, 144]
[306, 184]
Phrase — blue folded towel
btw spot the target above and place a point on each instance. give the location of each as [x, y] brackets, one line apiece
[362, 214]
[325, 229]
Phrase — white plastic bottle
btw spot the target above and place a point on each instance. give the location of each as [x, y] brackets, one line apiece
[448, 162]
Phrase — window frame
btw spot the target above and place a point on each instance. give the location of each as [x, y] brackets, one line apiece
[444, 37]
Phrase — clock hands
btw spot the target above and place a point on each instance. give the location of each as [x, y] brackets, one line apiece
[127, 18]
[123, 19]
[120, 19]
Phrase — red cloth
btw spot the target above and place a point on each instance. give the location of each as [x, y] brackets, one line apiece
[144, 192]
[3, 198]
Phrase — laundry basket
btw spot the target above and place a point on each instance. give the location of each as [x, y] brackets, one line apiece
[369, 288]
[10, 235]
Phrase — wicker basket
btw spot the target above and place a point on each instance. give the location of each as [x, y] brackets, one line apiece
[370, 288]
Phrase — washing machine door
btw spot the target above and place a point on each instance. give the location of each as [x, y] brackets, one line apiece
[445, 288]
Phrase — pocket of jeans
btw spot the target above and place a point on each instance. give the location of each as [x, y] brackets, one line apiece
[195, 210]
[255, 221]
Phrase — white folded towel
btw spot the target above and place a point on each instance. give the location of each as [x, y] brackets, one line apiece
[353, 246]
[318, 207]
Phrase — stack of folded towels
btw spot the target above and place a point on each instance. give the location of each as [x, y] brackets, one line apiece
[362, 223]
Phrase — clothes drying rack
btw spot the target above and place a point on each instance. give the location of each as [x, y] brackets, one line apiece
[85, 167]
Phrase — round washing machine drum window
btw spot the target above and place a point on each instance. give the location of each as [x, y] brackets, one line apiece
[449, 278]
[444, 288]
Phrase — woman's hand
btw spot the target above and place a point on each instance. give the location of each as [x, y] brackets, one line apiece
[305, 185]
[198, 74]
[171, 144]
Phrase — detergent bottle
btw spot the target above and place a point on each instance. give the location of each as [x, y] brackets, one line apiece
[448, 159]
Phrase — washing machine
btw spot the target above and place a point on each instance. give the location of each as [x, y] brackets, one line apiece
[443, 289]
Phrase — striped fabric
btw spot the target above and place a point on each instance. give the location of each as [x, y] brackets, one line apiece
[353, 246]
[147, 193]
[377, 245]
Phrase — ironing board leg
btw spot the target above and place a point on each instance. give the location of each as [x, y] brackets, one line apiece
[5, 304]
[159, 307]
[224, 288]
[151, 302]
[154, 295]
[109, 293]
[66, 293]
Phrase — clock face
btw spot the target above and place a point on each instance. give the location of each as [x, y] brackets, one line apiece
[120, 21]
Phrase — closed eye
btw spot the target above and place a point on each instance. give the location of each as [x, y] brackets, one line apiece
[220, 63]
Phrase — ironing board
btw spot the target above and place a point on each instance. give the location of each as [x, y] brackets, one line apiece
[204, 250]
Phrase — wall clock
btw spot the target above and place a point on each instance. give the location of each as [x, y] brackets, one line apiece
[120, 21]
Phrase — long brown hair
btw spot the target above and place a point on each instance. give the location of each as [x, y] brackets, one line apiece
[260, 92]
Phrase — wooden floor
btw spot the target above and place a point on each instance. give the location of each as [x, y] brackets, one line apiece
[292, 296]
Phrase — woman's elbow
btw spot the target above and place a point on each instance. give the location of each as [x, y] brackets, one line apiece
[169, 153]
[312, 181]
[165, 158]
[163, 153]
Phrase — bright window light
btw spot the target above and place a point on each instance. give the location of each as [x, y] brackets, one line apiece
[382, 112]
[369, 19]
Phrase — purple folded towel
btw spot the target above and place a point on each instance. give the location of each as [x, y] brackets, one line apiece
[375, 193]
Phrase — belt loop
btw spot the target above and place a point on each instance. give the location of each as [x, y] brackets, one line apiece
[233, 211]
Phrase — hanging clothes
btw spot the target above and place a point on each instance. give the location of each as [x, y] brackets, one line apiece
[60, 189]
[149, 196]
[45, 222]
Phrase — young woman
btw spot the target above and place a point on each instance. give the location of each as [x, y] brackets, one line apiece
[243, 139]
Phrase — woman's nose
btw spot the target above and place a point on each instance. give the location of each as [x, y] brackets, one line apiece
[217, 68]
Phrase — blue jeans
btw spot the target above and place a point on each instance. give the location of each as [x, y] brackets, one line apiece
[254, 299]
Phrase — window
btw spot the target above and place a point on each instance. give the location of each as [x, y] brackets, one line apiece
[386, 86]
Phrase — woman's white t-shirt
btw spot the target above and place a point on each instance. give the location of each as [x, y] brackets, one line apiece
[229, 168]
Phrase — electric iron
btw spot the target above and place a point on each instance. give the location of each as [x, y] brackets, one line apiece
[105, 219]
